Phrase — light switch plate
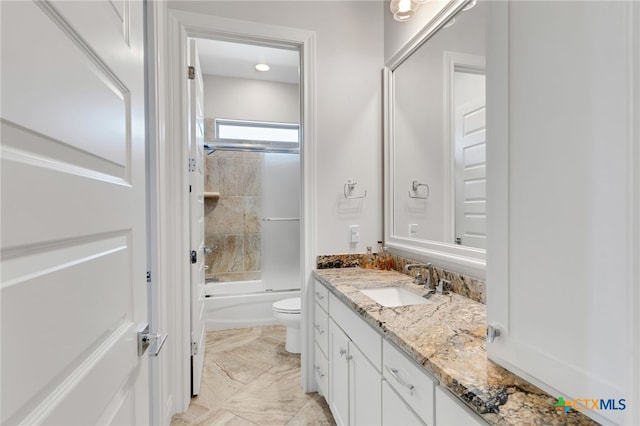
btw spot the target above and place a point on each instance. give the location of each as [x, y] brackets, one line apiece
[354, 233]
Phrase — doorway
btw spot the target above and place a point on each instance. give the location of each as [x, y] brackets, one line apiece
[182, 27]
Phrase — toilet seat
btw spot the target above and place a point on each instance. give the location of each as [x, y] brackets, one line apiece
[287, 306]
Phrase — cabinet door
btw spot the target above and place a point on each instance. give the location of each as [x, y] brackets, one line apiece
[451, 412]
[395, 411]
[559, 258]
[365, 389]
[338, 374]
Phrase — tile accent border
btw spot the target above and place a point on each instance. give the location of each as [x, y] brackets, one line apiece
[464, 285]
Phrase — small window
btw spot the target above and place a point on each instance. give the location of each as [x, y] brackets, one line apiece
[257, 135]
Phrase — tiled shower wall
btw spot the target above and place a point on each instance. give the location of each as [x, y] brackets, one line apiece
[233, 221]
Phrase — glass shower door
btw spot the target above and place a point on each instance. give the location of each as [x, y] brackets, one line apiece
[280, 241]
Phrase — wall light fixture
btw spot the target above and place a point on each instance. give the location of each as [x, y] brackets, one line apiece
[403, 10]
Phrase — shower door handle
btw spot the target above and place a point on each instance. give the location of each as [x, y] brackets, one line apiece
[279, 219]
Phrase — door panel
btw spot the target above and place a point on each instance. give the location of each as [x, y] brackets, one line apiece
[338, 374]
[196, 204]
[366, 390]
[73, 215]
[470, 172]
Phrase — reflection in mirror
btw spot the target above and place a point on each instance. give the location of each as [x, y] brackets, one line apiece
[437, 138]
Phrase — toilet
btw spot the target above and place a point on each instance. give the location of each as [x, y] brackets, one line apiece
[287, 311]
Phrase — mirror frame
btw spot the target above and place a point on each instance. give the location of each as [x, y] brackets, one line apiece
[448, 255]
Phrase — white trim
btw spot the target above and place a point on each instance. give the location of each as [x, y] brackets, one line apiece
[634, 207]
[471, 260]
[161, 392]
[498, 172]
[448, 10]
[183, 25]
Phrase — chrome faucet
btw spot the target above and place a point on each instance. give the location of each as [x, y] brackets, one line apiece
[419, 278]
[443, 286]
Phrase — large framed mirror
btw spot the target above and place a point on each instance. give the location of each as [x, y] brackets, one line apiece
[435, 140]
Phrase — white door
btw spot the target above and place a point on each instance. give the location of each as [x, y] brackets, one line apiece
[338, 374]
[365, 389]
[196, 207]
[73, 213]
[471, 174]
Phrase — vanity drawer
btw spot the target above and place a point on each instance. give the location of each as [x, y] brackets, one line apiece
[411, 382]
[321, 295]
[321, 328]
[321, 371]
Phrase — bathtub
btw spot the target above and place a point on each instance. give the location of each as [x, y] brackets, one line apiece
[240, 304]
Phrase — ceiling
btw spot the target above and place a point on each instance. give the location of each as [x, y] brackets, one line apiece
[231, 59]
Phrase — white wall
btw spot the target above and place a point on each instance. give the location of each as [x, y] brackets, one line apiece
[244, 99]
[348, 96]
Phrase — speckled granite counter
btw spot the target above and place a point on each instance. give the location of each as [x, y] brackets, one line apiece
[447, 338]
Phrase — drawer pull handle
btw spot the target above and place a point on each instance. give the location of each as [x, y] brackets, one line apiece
[342, 351]
[321, 331]
[394, 373]
[320, 296]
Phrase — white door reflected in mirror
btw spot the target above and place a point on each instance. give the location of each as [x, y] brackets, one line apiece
[470, 140]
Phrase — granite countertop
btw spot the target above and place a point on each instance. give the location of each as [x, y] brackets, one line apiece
[447, 337]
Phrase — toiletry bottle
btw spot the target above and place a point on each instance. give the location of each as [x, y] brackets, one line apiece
[379, 257]
[387, 260]
[367, 261]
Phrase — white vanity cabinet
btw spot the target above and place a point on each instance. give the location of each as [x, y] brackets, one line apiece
[452, 412]
[368, 380]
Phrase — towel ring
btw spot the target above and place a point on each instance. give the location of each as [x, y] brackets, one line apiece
[414, 190]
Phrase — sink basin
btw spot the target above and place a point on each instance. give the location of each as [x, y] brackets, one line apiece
[394, 296]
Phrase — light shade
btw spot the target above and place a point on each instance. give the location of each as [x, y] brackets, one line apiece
[403, 10]
[263, 67]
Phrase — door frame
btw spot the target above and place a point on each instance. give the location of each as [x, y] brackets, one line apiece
[454, 62]
[159, 221]
[182, 25]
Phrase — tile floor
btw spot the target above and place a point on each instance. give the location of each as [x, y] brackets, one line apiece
[249, 379]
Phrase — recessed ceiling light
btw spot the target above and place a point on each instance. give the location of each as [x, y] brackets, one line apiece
[263, 67]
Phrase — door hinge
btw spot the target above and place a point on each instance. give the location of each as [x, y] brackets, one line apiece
[194, 348]
[192, 164]
[148, 276]
[191, 73]
[194, 256]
